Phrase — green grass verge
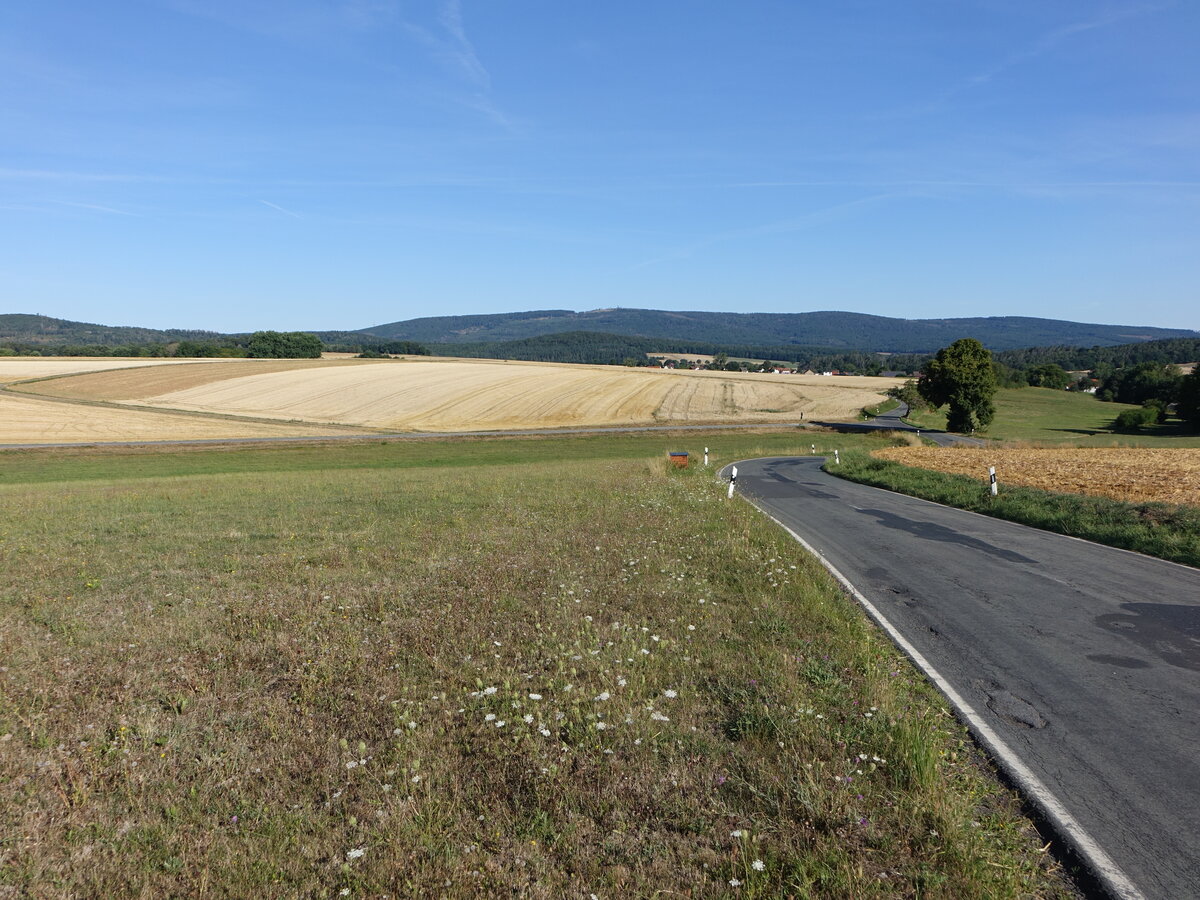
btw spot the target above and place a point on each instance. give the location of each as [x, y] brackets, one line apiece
[1042, 415]
[92, 463]
[1157, 529]
[337, 671]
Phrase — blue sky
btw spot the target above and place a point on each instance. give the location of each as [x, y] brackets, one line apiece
[245, 164]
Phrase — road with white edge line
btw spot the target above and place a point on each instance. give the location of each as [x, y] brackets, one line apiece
[1076, 665]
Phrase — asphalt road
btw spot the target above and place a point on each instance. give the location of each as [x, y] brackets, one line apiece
[1080, 660]
[893, 420]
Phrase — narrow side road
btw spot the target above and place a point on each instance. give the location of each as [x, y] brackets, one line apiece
[1082, 660]
[893, 420]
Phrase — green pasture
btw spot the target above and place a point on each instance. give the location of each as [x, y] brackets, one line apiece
[544, 668]
[1046, 416]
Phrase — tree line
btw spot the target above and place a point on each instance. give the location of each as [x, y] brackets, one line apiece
[259, 345]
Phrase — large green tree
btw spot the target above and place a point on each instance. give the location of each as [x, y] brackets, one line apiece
[961, 376]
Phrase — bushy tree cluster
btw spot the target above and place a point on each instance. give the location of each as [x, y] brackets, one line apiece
[284, 345]
[1047, 375]
[208, 349]
[1140, 383]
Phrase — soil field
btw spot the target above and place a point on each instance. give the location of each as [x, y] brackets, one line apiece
[28, 420]
[465, 395]
[1129, 474]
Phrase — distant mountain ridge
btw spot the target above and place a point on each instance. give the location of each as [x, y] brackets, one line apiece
[826, 329]
[832, 331]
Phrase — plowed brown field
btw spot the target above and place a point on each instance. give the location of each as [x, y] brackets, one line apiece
[1130, 474]
[467, 395]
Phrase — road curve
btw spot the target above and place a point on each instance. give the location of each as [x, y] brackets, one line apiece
[1081, 660]
[893, 420]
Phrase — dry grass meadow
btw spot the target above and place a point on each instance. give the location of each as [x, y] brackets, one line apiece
[351, 671]
[466, 395]
[1133, 475]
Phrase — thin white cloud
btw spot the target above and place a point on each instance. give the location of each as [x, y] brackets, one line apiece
[1052, 39]
[277, 207]
[63, 175]
[1040, 46]
[453, 49]
[95, 207]
[462, 50]
[1002, 185]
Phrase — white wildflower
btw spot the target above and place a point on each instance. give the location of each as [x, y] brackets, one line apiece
[535, 696]
[355, 853]
[670, 694]
[758, 865]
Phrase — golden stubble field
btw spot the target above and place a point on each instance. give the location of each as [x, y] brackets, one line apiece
[27, 419]
[466, 395]
[1129, 474]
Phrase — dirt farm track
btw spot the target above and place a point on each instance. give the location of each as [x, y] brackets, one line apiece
[111, 400]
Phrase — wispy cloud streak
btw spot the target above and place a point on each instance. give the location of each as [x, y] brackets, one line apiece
[277, 207]
[95, 207]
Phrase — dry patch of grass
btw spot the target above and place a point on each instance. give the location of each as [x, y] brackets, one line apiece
[1134, 475]
[539, 680]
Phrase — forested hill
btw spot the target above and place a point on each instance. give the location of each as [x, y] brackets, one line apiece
[601, 348]
[833, 330]
[36, 329]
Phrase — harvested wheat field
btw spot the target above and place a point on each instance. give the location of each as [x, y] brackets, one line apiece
[18, 368]
[1129, 474]
[28, 420]
[141, 383]
[467, 395]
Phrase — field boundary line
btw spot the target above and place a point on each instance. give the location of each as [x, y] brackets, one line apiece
[1103, 867]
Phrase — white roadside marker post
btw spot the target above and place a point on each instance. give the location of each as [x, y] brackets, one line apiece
[992, 477]
[732, 481]
[706, 457]
[814, 449]
[837, 460]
